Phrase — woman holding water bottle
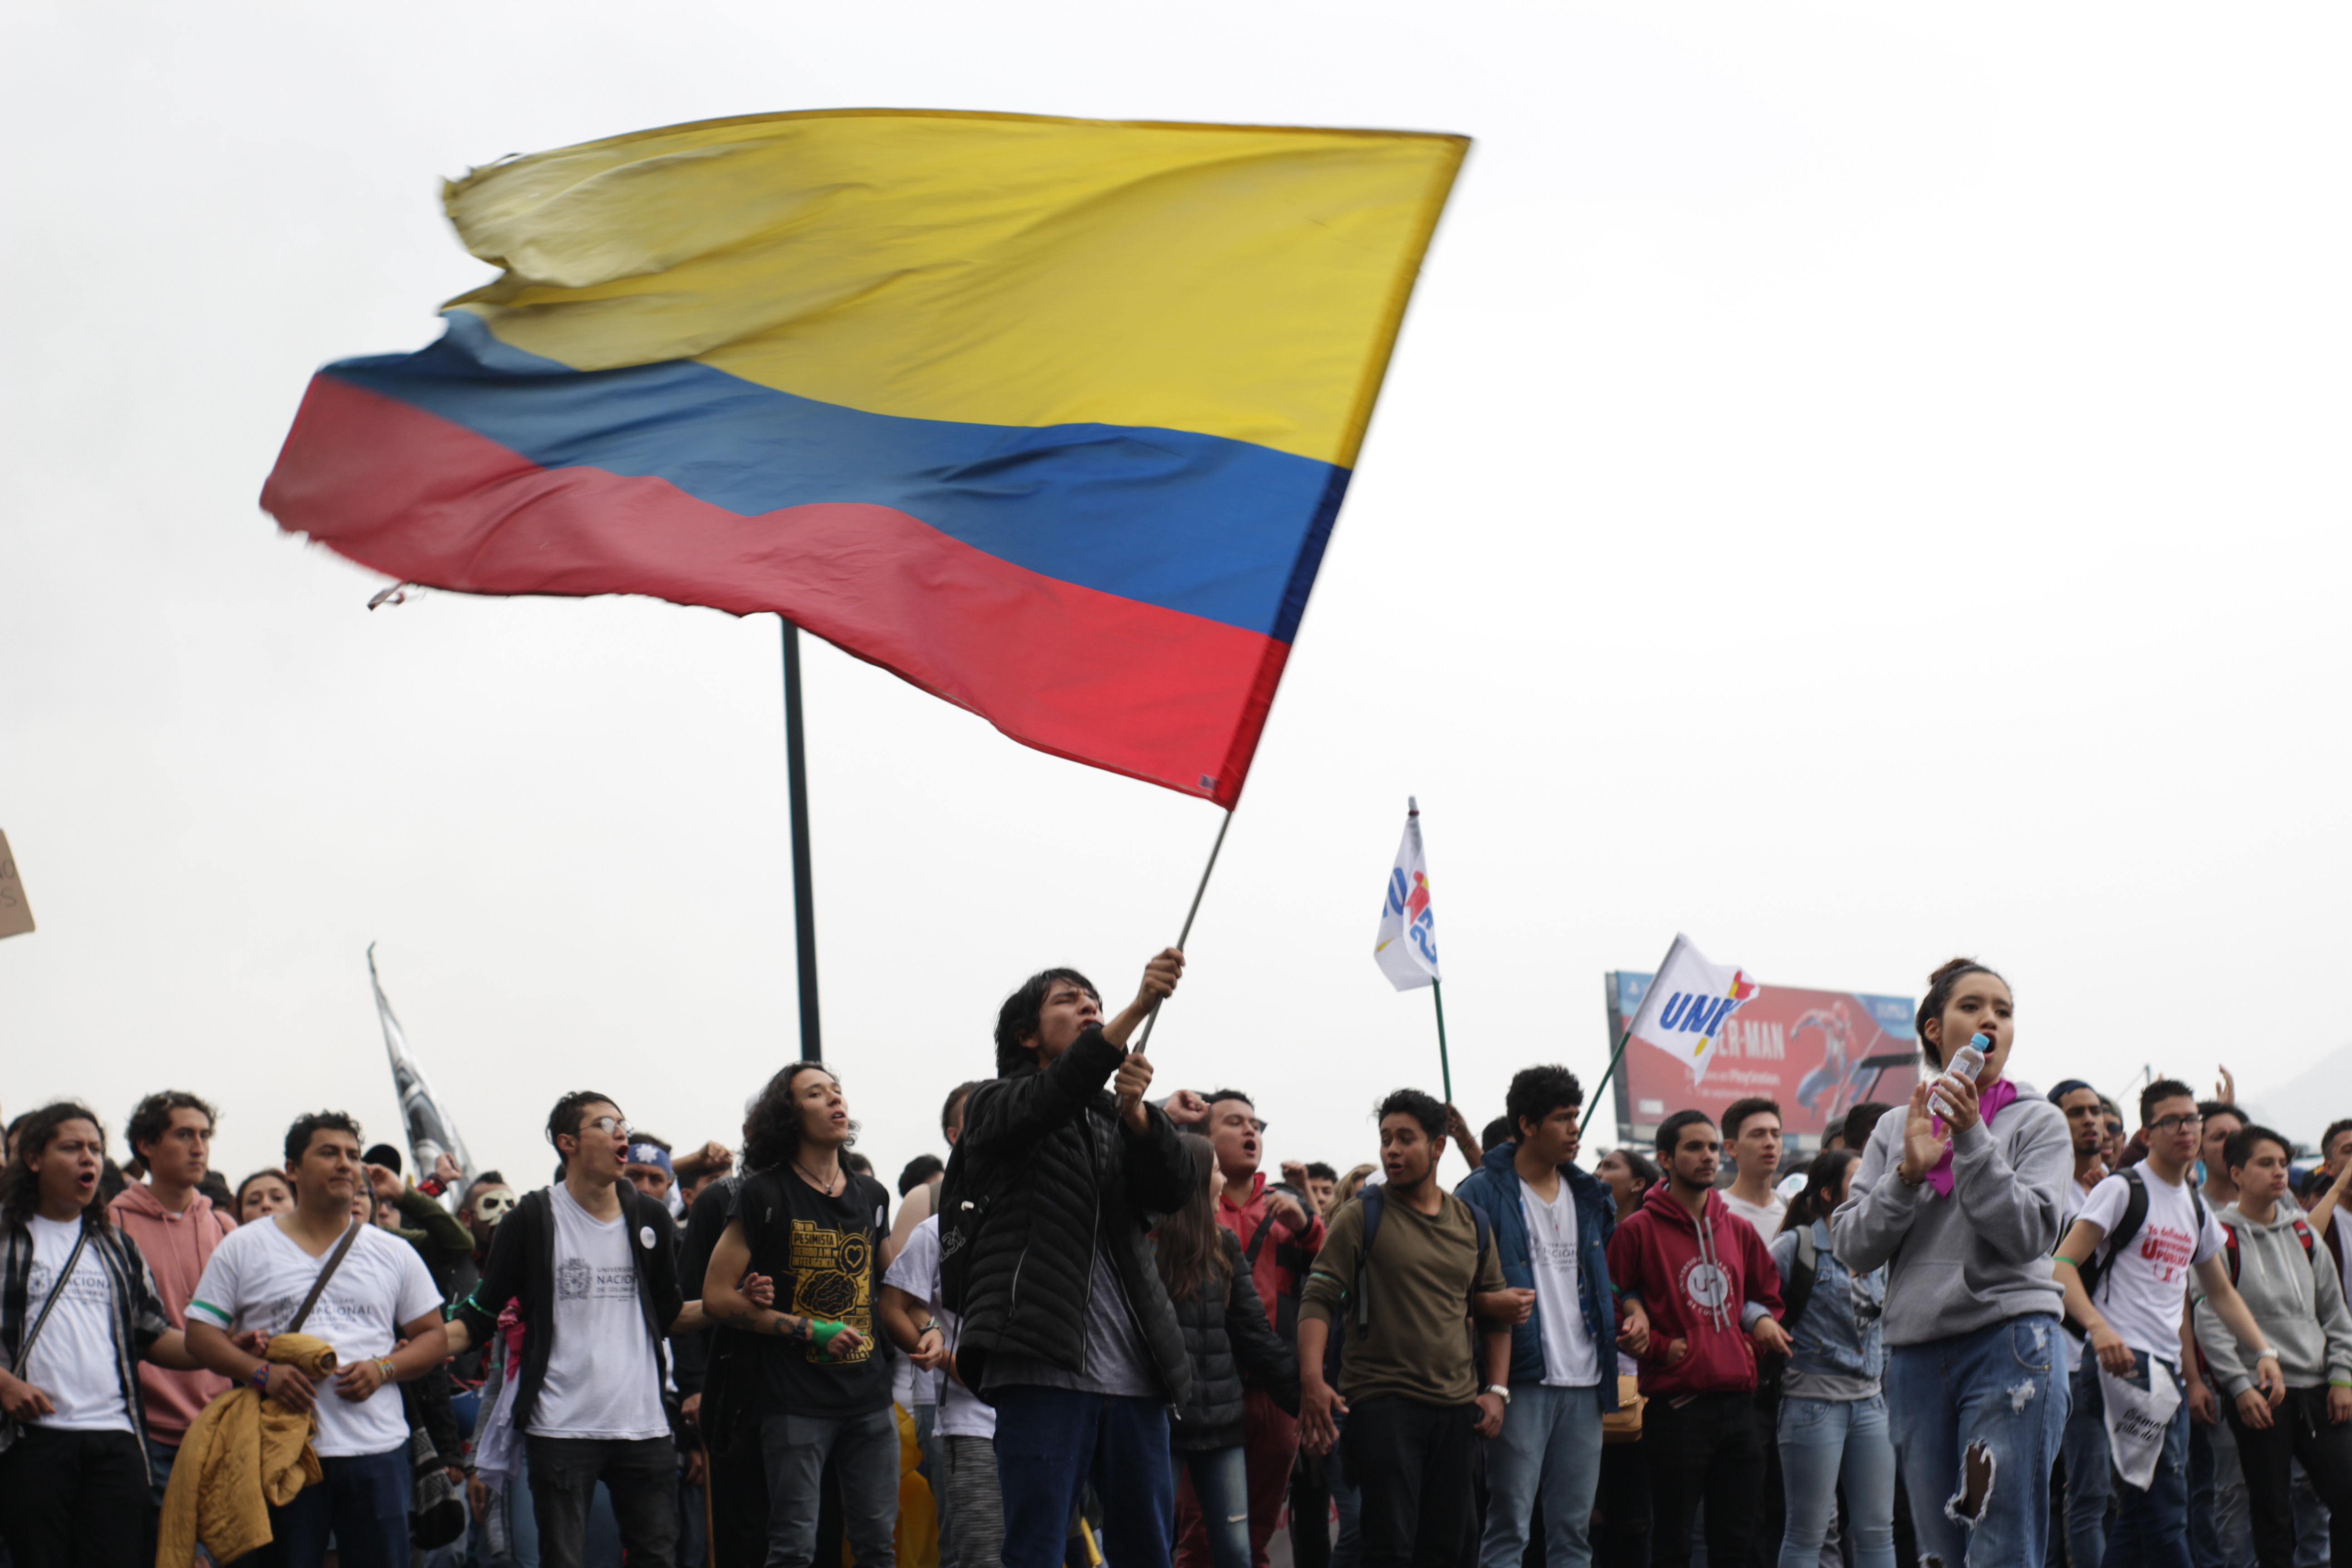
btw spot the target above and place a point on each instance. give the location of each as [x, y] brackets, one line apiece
[1961, 1195]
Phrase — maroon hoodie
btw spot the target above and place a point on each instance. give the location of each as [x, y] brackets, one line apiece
[1693, 1283]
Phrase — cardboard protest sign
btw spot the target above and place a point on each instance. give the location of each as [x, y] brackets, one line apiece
[15, 914]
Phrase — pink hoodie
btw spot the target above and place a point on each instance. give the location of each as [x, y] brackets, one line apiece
[177, 1248]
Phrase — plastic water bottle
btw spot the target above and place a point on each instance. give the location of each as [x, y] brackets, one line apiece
[1967, 1063]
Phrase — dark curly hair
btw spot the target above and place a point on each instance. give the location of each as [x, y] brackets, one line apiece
[20, 1185]
[771, 1127]
[151, 1117]
[1536, 1092]
[299, 1136]
[1018, 1018]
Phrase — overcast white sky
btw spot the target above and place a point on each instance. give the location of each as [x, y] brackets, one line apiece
[1858, 484]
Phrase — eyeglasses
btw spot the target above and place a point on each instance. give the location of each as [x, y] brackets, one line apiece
[612, 1124]
[2177, 1124]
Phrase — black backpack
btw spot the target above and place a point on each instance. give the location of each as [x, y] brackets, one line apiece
[2094, 1269]
[963, 1208]
[1360, 1296]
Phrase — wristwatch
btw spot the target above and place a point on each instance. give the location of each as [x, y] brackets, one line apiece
[1499, 1391]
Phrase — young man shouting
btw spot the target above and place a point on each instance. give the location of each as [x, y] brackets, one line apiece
[2132, 1314]
[1551, 1223]
[1714, 1300]
[1067, 1330]
[379, 1294]
[803, 1219]
[1408, 1388]
[74, 1473]
[592, 1264]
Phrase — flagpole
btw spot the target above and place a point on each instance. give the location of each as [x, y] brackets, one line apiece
[1186, 935]
[1444, 1066]
[1593, 1105]
[804, 882]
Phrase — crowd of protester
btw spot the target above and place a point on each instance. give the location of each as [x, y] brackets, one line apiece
[1096, 1330]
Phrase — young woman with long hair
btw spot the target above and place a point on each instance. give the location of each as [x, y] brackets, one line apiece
[1833, 1429]
[1227, 1335]
[1963, 1212]
[1630, 1174]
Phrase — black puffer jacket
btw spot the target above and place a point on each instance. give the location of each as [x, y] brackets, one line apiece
[1227, 1334]
[1047, 1155]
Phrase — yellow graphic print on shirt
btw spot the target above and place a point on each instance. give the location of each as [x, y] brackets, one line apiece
[833, 1281]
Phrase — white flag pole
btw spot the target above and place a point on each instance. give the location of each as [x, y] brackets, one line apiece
[1186, 934]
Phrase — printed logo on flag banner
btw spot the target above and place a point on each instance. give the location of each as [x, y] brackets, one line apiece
[1406, 946]
[1686, 1005]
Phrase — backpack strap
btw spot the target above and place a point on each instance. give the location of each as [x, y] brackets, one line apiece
[1257, 1239]
[2094, 1267]
[2310, 1244]
[318, 1286]
[1374, 1205]
[2229, 1249]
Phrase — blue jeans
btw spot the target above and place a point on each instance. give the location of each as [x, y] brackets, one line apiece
[1823, 1442]
[2090, 1480]
[362, 1500]
[2151, 1528]
[1549, 1446]
[1994, 1399]
[1051, 1441]
[1220, 1492]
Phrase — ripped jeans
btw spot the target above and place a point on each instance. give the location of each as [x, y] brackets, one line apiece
[1977, 1419]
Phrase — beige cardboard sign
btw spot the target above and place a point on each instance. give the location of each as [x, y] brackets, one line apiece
[15, 914]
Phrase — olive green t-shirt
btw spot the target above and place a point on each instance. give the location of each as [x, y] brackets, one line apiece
[1424, 1269]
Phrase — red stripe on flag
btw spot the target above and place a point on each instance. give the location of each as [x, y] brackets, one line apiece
[1168, 697]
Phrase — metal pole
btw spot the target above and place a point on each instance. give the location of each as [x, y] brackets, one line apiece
[1593, 1107]
[1445, 1066]
[804, 885]
[1186, 935]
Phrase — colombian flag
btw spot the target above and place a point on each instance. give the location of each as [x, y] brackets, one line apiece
[1050, 417]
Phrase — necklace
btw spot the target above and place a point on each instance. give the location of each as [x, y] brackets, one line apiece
[821, 1185]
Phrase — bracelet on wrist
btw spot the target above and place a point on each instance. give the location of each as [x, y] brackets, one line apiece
[384, 1365]
[259, 1376]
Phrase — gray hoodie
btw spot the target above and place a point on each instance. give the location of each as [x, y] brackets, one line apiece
[1979, 1258]
[2298, 1301]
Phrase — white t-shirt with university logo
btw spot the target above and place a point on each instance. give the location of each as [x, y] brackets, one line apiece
[1571, 1360]
[73, 1361]
[2141, 1292]
[258, 1278]
[602, 1381]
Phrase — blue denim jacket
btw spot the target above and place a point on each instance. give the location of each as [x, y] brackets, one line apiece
[1840, 1329]
[1494, 1189]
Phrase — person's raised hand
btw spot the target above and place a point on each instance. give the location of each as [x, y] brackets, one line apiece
[2225, 1088]
[1133, 1077]
[1923, 1149]
[1186, 1109]
[1295, 1172]
[1160, 977]
[447, 1170]
[385, 1183]
[2254, 1410]
[1960, 1093]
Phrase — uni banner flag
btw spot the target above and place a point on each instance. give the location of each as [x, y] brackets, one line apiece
[1684, 1011]
[1406, 947]
[431, 1133]
[1050, 417]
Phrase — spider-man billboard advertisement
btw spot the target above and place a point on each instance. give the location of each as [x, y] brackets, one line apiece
[1817, 1053]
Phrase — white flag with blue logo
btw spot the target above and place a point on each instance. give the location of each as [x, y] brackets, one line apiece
[1684, 1011]
[1407, 946]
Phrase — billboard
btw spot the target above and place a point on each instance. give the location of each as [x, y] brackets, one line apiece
[1817, 1053]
